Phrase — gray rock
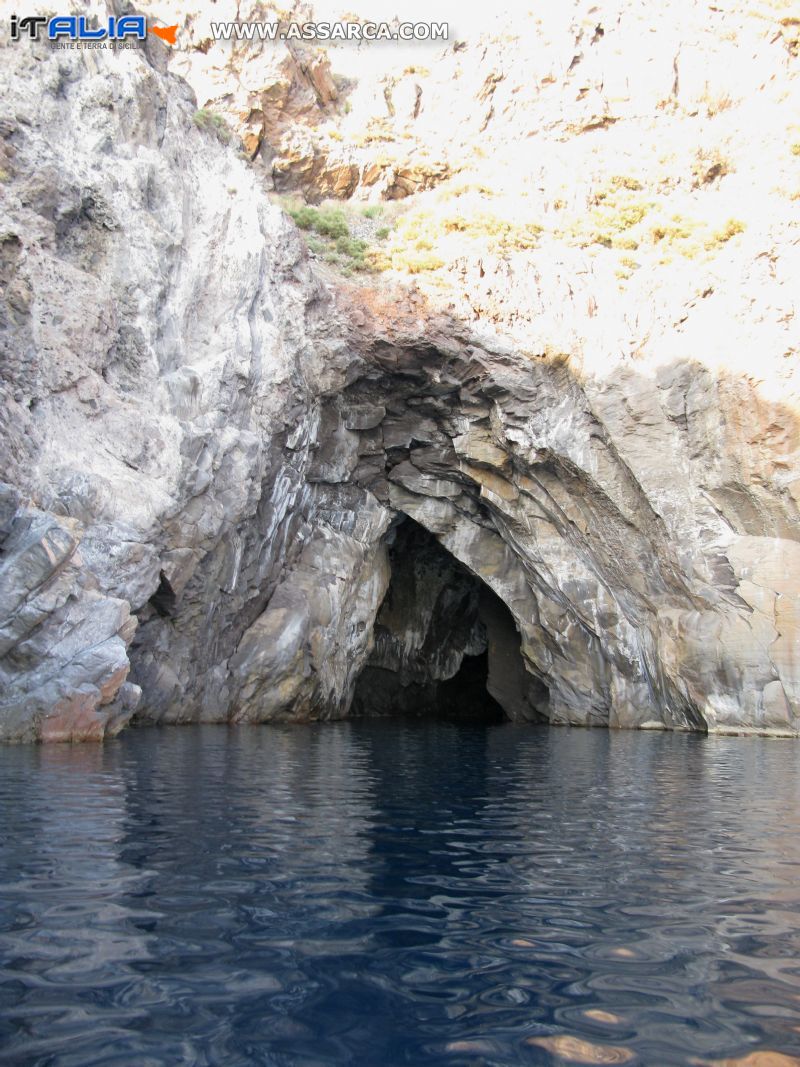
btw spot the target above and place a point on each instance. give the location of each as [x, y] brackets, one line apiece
[364, 416]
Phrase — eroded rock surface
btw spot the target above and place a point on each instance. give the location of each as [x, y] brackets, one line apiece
[208, 448]
[163, 346]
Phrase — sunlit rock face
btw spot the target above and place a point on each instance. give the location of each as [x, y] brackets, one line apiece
[214, 450]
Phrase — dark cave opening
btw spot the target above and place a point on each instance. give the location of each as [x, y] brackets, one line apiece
[465, 696]
[446, 646]
[164, 599]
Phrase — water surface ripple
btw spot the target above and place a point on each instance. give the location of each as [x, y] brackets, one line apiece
[399, 893]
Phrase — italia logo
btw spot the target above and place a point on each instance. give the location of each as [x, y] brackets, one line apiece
[80, 28]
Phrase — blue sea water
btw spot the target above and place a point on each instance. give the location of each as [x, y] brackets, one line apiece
[399, 892]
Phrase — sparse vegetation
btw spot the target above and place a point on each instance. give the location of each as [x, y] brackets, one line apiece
[689, 237]
[621, 219]
[709, 165]
[622, 181]
[326, 222]
[715, 102]
[212, 122]
[629, 217]
[615, 214]
[412, 261]
[378, 131]
[425, 229]
[329, 237]
[677, 228]
[730, 229]
[351, 246]
[456, 219]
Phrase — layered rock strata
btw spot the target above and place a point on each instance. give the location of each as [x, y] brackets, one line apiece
[208, 449]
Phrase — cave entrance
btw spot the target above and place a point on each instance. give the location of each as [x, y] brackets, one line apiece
[446, 646]
[466, 695]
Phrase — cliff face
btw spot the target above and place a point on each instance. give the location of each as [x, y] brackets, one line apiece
[163, 338]
[213, 443]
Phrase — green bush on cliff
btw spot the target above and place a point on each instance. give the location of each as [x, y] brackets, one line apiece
[304, 217]
[328, 222]
[329, 236]
[211, 122]
[351, 246]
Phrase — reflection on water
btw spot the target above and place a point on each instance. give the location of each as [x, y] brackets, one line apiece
[400, 893]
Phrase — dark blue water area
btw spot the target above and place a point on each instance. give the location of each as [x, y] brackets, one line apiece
[400, 893]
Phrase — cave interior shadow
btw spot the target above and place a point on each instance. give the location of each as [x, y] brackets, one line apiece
[446, 646]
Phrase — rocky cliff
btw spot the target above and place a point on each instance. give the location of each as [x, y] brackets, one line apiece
[570, 425]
